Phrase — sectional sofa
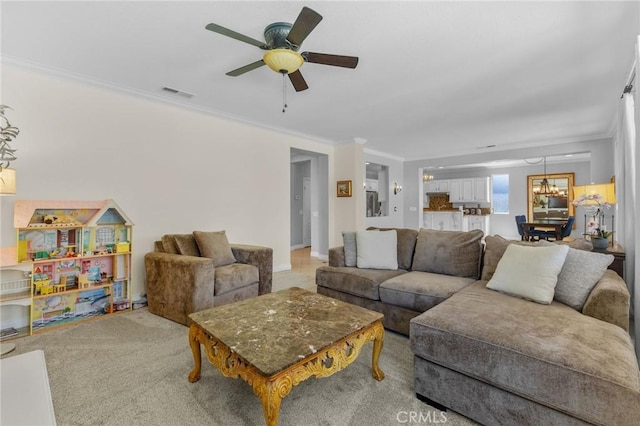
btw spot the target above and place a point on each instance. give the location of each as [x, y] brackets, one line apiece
[496, 357]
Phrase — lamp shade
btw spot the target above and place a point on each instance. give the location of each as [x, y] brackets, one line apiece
[7, 182]
[606, 190]
[284, 61]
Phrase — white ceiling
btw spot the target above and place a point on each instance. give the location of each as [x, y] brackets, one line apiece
[434, 79]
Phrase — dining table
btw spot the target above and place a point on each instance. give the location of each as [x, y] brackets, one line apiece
[537, 224]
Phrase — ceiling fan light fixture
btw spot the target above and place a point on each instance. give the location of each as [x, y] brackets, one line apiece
[283, 61]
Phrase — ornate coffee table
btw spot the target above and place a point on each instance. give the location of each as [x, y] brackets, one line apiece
[277, 340]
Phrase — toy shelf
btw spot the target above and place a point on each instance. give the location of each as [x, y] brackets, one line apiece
[80, 258]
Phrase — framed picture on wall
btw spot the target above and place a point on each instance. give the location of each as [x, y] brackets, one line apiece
[344, 188]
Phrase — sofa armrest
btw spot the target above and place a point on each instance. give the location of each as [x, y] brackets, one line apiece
[178, 285]
[609, 301]
[260, 257]
[336, 256]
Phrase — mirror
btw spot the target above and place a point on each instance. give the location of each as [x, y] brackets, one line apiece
[377, 187]
[554, 205]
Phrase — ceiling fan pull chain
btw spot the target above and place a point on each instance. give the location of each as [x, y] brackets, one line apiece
[284, 93]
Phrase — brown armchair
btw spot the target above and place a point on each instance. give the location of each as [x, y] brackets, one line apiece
[180, 284]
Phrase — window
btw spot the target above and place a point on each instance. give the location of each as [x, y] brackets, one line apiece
[105, 235]
[500, 194]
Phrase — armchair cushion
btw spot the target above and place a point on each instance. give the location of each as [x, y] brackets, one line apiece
[169, 244]
[186, 245]
[215, 245]
[234, 276]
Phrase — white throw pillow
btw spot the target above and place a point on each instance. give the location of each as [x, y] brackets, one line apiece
[377, 249]
[529, 272]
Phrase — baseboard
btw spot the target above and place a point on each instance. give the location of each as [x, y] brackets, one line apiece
[283, 267]
[298, 246]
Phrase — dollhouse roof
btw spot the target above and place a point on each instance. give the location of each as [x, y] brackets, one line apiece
[80, 213]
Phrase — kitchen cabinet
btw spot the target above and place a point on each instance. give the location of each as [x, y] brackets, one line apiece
[471, 190]
[471, 222]
[443, 221]
[437, 186]
[481, 190]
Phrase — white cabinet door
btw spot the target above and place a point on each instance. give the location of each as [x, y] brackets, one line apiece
[427, 220]
[455, 191]
[467, 190]
[479, 222]
[480, 190]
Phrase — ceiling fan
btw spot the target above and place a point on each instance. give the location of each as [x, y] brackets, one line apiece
[282, 41]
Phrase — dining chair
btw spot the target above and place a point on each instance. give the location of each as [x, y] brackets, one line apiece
[565, 232]
[566, 228]
[533, 233]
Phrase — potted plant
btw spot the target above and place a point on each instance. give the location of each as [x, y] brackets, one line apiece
[595, 205]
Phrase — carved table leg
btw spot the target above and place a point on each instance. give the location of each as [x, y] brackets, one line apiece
[377, 348]
[194, 375]
[271, 400]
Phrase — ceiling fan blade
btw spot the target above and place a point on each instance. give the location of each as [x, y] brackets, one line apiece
[246, 68]
[304, 24]
[335, 60]
[298, 81]
[241, 37]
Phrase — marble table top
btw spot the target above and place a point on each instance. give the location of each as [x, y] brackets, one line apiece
[276, 330]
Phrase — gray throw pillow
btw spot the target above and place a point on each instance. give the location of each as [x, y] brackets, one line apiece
[215, 245]
[350, 252]
[186, 245]
[581, 272]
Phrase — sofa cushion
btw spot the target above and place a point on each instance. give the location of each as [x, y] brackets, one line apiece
[234, 276]
[215, 245]
[550, 354]
[529, 272]
[350, 250]
[419, 291]
[186, 245]
[358, 282]
[377, 250]
[580, 273]
[406, 245]
[448, 252]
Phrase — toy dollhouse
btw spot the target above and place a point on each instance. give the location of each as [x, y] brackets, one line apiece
[80, 256]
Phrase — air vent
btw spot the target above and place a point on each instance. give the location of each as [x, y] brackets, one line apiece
[178, 92]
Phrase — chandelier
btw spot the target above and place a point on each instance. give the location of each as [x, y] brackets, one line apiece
[545, 188]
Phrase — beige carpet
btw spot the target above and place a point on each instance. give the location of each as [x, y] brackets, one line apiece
[132, 369]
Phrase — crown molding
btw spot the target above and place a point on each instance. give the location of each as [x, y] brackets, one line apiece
[83, 79]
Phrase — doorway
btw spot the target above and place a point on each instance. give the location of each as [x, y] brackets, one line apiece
[309, 202]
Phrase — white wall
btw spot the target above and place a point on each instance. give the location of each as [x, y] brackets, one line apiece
[172, 170]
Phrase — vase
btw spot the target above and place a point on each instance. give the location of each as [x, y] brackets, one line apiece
[600, 242]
